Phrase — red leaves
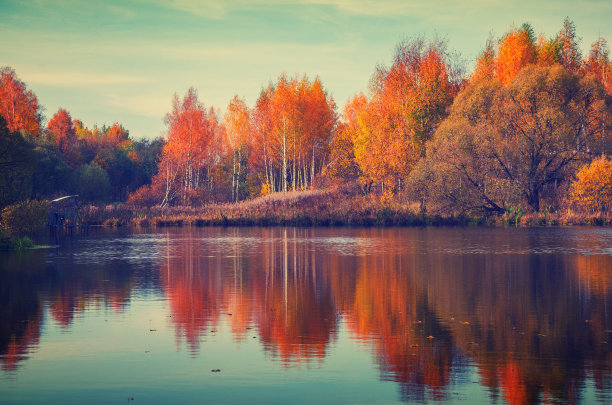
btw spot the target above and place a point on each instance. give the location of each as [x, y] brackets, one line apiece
[598, 64]
[18, 106]
[61, 131]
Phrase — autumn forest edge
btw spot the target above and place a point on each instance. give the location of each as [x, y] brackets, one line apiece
[525, 132]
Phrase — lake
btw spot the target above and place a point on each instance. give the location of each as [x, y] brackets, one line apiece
[310, 315]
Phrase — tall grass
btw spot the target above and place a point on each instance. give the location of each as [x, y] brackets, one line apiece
[336, 207]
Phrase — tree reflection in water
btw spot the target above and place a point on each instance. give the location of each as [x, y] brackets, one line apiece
[431, 304]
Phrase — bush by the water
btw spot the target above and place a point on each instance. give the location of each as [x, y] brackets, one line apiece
[24, 218]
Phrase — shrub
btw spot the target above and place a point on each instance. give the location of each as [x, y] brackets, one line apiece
[21, 243]
[146, 196]
[26, 217]
[592, 189]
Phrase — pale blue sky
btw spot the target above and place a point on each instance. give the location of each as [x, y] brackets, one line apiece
[107, 61]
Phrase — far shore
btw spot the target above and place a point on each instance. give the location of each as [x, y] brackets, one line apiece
[322, 208]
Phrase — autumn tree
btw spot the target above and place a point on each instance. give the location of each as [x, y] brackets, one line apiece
[186, 155]
[592, 189]
[342, 163]
[409, 101]
[519, 48]
[570, 55]
[260, 161]
[516, 50]
[237, 131]
[505, 146]
[18, 106]
[485, 63]
[598, 64]
[61, 131]
[293, 123]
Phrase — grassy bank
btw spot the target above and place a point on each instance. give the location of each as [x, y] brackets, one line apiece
[320, 208]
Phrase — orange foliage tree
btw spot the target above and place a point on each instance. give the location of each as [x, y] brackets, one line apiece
[342, 164]
[598, 64]
[409, 101]
[592, 189]
[293, 125]
[516, 50]
[18, 106]
[187, 154]
[237, 126]
[504, 146]
[61, 130]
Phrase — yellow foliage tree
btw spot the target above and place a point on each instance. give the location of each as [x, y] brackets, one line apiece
[592, 189]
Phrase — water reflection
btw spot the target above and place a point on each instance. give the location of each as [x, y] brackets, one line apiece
[524, 312]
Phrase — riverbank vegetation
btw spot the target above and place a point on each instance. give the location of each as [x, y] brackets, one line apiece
[521, 138]
[20, 221]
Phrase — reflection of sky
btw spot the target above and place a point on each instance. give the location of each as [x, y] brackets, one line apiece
[121, 60]
[103, 357]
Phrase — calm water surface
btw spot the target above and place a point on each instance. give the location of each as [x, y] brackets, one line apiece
[292, 315]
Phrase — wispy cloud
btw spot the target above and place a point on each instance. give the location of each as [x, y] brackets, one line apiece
[123, 59]
[77, 79]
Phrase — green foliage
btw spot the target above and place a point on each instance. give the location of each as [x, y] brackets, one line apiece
[149, 154]
[93, 183]
[513, 216]
[25, 218]
[21, 243]
[52, 174]
[119, 168]
[16, 166]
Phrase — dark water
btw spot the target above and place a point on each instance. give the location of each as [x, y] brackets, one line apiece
[310, 316]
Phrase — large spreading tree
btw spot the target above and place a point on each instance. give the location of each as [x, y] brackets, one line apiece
[505, 145]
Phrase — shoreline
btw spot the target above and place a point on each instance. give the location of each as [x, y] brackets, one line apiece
[382, 218]
[324, 208]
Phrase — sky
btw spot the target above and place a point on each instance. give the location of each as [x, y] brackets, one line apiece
[109, 61]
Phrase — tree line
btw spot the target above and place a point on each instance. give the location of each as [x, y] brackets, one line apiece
[65, 157]
[527, 129]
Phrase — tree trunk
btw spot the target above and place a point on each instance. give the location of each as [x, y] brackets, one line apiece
[533, 199]
[284, 174]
